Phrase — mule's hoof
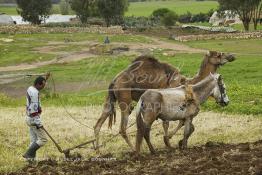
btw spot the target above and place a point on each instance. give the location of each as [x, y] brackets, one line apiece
[180, 144]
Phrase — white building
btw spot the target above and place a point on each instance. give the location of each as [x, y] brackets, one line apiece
[226, 19]
[6, 19]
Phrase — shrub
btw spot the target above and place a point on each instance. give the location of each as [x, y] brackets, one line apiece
[201, 17]
[185, 18]
[140, 22]
[169, 19]
[159, 13]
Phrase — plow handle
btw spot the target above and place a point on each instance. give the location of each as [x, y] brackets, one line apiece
[53, 140]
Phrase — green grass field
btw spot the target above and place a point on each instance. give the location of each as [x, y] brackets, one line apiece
[23, 48]
[242, 76]
[179, 6]
[8, 10]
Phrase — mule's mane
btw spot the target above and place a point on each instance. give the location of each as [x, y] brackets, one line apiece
[202, 83]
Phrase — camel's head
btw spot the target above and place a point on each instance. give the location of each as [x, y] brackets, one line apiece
[220, 58]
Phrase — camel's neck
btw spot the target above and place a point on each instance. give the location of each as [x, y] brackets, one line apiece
[205, 69]
[204, 89]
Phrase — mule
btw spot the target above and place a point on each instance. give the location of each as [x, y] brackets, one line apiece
[181, 103]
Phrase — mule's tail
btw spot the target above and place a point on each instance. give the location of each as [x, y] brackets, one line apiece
[140, 125]
[111, 102]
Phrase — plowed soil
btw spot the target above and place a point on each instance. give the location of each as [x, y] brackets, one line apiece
[211, 158]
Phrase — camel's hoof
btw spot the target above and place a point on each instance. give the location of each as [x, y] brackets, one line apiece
[153, 152]
[166, 141]
[182, 145]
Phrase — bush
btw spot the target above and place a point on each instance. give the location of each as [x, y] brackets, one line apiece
[140, 22]
[201, 17]
[159, 13]
[185, 18]
[169, 19]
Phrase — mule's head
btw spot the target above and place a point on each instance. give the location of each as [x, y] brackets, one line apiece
[219, 92]
[219, 58]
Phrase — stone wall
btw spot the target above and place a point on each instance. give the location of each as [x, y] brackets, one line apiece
[28, 29]
[246, 35]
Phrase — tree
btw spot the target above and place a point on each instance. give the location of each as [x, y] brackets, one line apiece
[83, 8]
[34, 11]
[112, 10]
[257, 13]
[244, 8]
[64, 7]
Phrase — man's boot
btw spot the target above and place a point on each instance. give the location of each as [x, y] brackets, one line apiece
[31, 152]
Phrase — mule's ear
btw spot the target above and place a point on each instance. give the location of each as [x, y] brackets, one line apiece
[183, 80]
[220, 78]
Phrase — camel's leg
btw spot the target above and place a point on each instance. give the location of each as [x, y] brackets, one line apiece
[166, 137]
[187, 132]
[105, 114]
[123, 128]
[125, 104]
[172, 133]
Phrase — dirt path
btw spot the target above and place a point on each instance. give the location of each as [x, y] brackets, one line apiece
[211, 158]
[65, 57]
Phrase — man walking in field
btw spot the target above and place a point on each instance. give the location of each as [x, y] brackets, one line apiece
[33, 110]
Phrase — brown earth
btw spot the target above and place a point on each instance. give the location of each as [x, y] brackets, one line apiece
[211, 158]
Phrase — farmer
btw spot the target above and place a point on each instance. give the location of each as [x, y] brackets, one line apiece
[33, 110]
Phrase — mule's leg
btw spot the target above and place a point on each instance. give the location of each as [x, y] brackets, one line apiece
[187, 132]
[105, 114]
[149, 117]
[139, 138]
[172, 133]
[147, 138]
[166, 137]
[192, 129]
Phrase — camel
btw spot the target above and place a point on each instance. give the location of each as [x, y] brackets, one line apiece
[181, 103]
[144, 73]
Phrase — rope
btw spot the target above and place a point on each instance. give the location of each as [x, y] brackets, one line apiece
[73, 118]
[114, 136]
